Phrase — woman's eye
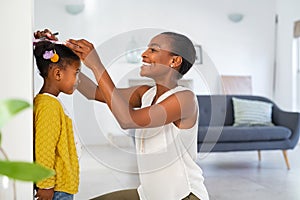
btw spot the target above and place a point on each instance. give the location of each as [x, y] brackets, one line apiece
[152, 50]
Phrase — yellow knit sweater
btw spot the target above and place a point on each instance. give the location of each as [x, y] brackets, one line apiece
[54, 144]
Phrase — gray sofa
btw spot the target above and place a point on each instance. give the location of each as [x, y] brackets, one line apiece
[216, 132]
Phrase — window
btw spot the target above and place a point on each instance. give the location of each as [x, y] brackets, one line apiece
[296, 62]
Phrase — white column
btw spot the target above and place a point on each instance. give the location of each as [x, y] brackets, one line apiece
[16, 81]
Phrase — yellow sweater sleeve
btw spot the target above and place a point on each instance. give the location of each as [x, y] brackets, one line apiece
[47, 131]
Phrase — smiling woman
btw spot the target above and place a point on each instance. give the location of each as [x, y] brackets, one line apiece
[165, 117]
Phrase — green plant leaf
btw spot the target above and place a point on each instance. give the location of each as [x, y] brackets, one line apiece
[9, 108]
[24, 171]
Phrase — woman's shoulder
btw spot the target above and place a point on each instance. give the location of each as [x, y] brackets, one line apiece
[184, 94]
[183, 89]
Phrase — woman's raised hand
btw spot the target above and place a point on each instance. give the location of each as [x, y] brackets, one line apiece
[86, 51]
[46, 33]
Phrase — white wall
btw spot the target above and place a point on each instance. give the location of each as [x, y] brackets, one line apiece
[245, 48]
[288, 11]
[236, 48]
[16, 81]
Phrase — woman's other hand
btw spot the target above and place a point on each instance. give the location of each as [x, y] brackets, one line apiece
[86, 51]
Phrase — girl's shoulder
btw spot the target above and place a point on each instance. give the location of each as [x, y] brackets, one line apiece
[46, 100]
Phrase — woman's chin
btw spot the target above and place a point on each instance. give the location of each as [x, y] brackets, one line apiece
[142, 73]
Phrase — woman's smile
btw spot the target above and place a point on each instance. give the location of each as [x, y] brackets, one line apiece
[144, 64]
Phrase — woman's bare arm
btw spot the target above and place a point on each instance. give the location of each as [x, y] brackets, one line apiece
[92, 91]
[179, 106]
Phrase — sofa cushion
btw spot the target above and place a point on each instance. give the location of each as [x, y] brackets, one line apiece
[251, 112]
[243, 134]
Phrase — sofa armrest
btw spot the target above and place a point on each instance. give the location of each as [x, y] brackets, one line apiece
[290, 120]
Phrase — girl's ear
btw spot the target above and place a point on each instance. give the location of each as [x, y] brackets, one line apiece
[57, 73]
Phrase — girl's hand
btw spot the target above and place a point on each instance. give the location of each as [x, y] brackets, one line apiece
[86, 51]
[45, 194]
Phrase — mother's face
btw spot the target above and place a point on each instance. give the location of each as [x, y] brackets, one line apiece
[158, 50]
[157, 58]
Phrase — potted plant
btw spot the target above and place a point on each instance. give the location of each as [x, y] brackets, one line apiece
[17, 170]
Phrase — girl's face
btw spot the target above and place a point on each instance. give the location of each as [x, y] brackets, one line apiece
[70, 77]
[157, 59]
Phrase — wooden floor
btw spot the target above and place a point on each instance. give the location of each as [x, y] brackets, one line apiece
[229, 176]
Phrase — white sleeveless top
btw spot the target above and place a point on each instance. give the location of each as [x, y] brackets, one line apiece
[166, 158]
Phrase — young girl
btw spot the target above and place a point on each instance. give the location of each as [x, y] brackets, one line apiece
[53, 132]
[166, 122]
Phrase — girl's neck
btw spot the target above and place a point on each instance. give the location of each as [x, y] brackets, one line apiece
[49, 90]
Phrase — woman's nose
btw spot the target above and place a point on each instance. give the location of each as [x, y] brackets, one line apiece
[144, 54]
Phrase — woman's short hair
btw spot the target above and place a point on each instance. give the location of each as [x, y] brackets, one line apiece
[184, 47]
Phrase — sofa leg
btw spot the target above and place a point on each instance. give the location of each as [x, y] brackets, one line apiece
[259, 155]
[286, 159]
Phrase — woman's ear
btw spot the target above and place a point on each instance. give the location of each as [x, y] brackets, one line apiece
[176, 61]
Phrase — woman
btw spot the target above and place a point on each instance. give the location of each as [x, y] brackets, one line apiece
[166, 123]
